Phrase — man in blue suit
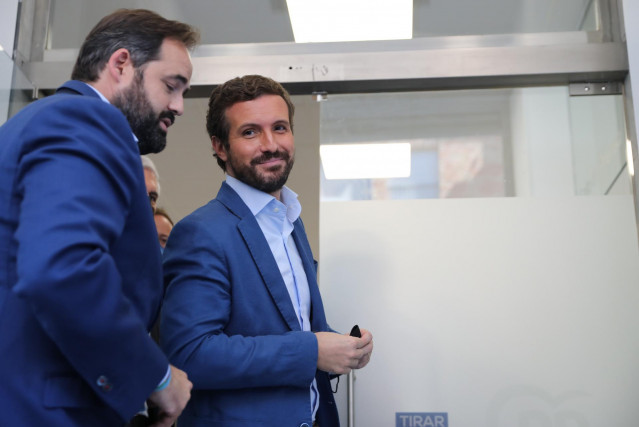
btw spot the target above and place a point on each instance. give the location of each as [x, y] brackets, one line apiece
[80, 281]
[243, 315]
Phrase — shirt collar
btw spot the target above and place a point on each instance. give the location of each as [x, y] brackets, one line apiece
[257, 200]
[103, 98]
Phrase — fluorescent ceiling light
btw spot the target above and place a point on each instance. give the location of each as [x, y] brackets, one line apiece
[350, 20]
[366, 161]
[1, 48]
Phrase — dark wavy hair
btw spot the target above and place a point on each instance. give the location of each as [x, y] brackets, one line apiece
[139, 31]
[239, 89]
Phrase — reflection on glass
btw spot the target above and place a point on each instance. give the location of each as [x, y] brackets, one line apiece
[538, 142]
[458, 143]
[364, 161]
[463, 167]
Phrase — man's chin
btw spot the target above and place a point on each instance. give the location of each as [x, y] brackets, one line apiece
[151, 148]
[271, 183]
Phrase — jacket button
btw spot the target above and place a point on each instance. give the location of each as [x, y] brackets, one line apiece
[103, 383]
[304, 425]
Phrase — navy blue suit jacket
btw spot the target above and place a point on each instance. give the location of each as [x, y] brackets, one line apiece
[228, 321]
[80, 266]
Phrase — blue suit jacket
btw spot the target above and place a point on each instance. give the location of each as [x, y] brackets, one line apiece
[228, 321]
[80, 266]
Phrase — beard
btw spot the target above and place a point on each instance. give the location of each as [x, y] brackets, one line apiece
[266, 183]
[144, 121]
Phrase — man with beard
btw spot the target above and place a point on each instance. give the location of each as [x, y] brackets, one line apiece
[81, 266]
[243, 315]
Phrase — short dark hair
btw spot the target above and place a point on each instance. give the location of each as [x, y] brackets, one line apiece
[139, 31]
[240, 89]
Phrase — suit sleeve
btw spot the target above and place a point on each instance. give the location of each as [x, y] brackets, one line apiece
[198, 307]
[75, 179]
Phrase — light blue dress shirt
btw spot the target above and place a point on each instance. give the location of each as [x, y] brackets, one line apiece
[276, 219]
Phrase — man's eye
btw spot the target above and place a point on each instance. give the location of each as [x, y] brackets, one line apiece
[248, 132]
[169, 87]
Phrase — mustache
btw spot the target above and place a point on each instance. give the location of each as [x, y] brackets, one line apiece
[269, 156]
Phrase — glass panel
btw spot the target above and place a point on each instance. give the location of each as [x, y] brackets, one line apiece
[498, 311]
[259, 21]
[220, 21]
[6, 73]
[473, 17]
[15, 88]
[480, 143]
[599, 145]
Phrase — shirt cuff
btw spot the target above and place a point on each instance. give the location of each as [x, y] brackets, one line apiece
[165, 381]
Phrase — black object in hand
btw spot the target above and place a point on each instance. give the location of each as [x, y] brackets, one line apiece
[355, 332]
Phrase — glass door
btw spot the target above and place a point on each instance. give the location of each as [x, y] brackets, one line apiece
[496, 265]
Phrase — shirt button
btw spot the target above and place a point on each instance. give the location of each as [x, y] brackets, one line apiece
[276, 210]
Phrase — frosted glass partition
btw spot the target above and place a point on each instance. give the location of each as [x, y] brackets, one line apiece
[480, 143]
[499, 312]
[490, 311]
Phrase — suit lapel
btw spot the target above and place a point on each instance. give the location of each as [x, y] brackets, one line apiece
[261, 254]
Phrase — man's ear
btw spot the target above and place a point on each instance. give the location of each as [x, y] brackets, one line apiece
[218, 147]
[120, 66]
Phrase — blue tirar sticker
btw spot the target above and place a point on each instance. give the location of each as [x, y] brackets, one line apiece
[421, 419]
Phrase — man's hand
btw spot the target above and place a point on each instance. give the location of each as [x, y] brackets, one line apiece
[367, 337]
[172, 400]
[340, 353]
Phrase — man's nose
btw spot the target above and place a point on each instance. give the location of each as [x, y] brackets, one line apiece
[268, 142]
[177, 105]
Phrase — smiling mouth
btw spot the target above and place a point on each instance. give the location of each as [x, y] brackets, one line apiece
[271, 161]
[271, 165]
[268, 159]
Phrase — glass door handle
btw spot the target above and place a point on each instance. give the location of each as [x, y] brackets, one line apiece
[351, 398]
